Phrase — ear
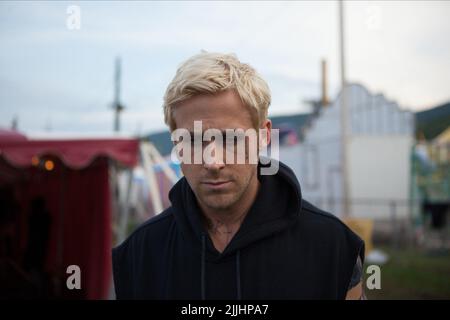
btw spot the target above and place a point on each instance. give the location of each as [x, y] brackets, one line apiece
[264, 132]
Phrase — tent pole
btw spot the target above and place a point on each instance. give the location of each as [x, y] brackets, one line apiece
[170, 174]
[151, 178]
[60, 244]
[114, 201]
[125, 208]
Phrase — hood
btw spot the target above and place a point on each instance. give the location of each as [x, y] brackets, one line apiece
[277, 206]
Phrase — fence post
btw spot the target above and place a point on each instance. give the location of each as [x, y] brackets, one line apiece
[393, 209]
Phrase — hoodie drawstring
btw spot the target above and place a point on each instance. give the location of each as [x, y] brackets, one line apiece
[202, 281]
[238, 274]
[203, 273]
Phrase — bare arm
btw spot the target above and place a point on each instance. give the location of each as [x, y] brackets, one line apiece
[356, 290]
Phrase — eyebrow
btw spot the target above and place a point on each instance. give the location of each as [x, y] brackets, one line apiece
[221, 131]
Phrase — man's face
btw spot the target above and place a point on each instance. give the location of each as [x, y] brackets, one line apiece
[217, 185]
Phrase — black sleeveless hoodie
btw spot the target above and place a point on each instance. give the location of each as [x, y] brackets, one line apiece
[285, 249]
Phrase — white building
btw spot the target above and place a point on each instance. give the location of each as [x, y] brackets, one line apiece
[378, 154]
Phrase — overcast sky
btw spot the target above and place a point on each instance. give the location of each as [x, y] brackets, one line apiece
[57, 78]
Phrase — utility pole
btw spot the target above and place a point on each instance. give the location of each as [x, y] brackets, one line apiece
[15, 123]
[117, 106]
[343, 116]
[325, 101]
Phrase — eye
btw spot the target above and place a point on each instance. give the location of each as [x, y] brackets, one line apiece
[238, 139]
[195, 138]
[230, 140]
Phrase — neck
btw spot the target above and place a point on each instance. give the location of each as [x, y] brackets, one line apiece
[223, 224]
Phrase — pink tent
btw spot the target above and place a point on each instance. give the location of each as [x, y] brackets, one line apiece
[66, 184]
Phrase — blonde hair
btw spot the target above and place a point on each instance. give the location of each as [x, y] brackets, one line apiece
[210, 73]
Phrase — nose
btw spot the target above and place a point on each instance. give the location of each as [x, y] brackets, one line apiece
[213, 157]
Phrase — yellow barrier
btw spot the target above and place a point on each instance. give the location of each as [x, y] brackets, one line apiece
[363, 228]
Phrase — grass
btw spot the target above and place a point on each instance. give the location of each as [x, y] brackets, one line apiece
[413, 274]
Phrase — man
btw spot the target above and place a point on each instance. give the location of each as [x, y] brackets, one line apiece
[232, 232]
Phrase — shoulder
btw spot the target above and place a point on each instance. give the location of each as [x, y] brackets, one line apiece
[328, 227]
[335, 240]
[319, 218]
[154, 226]
[153, 229]
[127, 258]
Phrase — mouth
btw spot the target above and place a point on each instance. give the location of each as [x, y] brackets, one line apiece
[217, 184]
